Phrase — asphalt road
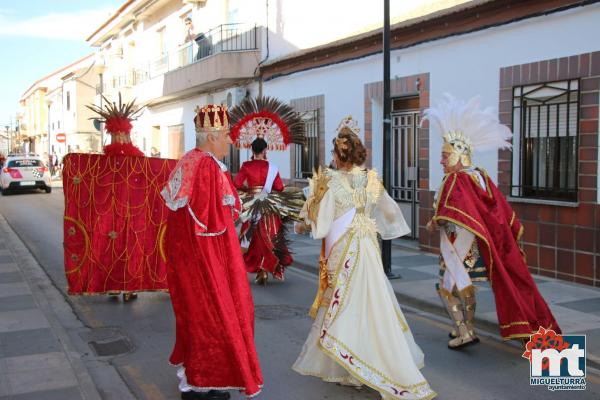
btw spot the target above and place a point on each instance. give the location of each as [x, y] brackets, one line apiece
[491, 371]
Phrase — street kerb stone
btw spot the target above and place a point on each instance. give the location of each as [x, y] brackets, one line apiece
[10, 277]
[15, 303]
[30, 373]
[67, 393]
[27, 342]
[35, 275]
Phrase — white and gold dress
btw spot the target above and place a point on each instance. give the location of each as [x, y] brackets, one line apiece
[359, 335]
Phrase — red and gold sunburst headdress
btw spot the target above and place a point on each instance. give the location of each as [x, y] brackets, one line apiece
[211, 118]
[267, 118]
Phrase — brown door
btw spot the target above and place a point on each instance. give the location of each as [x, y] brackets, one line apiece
[176, 136]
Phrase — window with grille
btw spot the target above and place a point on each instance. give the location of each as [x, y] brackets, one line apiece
[545, 127]
[307, 155]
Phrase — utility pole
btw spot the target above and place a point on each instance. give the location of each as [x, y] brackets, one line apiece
[9, 141]
[386, 245]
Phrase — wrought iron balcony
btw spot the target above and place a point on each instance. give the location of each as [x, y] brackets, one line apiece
[222, 39]
[130, 79]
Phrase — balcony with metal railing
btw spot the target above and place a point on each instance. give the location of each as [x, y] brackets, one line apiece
[117, 83]
[226, 38]
[224, 54]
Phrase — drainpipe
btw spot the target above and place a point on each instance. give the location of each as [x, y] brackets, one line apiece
[386, 245]
[260, 79]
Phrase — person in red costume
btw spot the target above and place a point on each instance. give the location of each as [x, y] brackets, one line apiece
[265, 123]
[214, 312]
[264, 253]
[479, 231]
[117, 122]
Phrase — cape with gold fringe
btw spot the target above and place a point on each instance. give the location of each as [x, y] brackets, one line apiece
[520, 307]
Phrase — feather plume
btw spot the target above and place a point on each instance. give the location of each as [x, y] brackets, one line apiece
[289, 124]
[479, 128]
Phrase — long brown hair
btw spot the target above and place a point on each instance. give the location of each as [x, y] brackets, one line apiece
[349, 148]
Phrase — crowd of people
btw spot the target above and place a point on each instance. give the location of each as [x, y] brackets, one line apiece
[348, 209]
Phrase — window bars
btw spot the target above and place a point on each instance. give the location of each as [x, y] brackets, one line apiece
[307, 155]
[545, 141]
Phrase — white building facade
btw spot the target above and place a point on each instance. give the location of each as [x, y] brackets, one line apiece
[537, 64]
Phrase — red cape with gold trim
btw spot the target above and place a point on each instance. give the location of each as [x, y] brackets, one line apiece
[114, 223]
[486, 213]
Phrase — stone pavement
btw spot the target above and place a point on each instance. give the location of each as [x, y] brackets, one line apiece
[33, 340]
[576, 307]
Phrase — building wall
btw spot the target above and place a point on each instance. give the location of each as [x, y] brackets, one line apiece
[288, 20]
[561, 239]
[476, 64]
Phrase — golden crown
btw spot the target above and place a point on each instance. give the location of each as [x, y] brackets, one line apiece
[211, 118]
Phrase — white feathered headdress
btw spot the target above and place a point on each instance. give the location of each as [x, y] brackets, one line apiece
[466, 128]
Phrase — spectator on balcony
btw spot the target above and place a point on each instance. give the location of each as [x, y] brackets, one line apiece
[189, 30]
[186, 54]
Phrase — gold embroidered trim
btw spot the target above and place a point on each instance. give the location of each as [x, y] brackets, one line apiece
[514, 324]
[430, 393]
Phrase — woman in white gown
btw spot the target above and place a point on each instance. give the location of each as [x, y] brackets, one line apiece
[359, 335]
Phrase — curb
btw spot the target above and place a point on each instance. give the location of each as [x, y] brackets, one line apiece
[437, 309]
[45, 295]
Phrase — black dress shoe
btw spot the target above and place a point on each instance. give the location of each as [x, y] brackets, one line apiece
[217, 395]
[210, 395]
[191, 395]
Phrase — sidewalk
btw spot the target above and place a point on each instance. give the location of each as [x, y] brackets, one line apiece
[33, 340]
[576, 307]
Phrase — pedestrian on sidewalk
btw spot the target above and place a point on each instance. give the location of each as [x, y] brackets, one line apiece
[214, 312]
[479, 231]
[359, 335]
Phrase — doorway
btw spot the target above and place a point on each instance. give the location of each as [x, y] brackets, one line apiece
[405, 159]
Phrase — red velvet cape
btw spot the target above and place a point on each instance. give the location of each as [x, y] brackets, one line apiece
[114, 223]
[486, 213]
[211, 297]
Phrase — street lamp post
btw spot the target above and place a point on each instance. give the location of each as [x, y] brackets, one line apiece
[49, 104]
[386, 245]
[9, 135]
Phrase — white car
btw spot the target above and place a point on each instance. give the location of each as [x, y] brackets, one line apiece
[24, 172]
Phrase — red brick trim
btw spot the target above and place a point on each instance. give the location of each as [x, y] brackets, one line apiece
[407, 86]
[560, 241]
[455, 21]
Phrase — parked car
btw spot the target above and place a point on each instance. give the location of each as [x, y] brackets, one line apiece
[24, 172]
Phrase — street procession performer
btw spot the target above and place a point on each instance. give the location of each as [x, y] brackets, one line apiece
[479, 231]
[263, 124]
[114, 218]
[359, 335]
[214, 312]
[117, 122]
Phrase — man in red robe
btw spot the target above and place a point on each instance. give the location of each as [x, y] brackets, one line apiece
[265, 254]
[214, 312]
[479, 231]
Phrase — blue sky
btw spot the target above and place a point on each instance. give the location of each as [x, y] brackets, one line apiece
[38, 37]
